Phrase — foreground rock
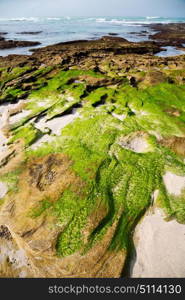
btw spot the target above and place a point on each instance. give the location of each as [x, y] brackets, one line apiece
[89, 132]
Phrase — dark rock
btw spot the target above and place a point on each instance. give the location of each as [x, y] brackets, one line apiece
[8, 44]
[113, 33]
[5, 233]
[114, 39]
[168, 34]
[30, 32]
[2, 37]
[133, 81]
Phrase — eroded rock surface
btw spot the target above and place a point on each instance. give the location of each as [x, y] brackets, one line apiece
[169, 34]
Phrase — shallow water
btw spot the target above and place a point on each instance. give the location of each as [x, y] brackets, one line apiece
[56, 30]
[170, 51]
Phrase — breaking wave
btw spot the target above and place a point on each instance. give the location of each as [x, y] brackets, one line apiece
[152, 18]
[30, 19]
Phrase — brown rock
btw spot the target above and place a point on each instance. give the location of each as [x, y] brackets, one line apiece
[8, 44]
[169, 34]
[30, 32]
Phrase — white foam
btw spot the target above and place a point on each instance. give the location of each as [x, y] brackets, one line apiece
[30, 19]
[53, 19]
[152, 18]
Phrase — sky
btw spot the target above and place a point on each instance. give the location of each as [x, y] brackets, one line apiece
[45, 8]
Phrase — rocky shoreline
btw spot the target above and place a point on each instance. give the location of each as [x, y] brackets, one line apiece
[172, 34]
[92, 135]
[169, 34]
[8, 44]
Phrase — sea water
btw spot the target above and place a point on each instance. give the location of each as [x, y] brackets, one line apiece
[62, 29]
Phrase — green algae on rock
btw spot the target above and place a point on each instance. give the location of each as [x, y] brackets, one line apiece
[85, 190]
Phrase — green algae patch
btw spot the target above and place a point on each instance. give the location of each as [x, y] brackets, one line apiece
[9, 92]
[13, 74]
[178, 208]
[118, 177]
[61, 81]
[72, 213]
[43, 206]
[12, 180]
[29, 134]
[121, 180]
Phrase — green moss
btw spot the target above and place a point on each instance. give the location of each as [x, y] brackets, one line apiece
[41, 208]
[7, 76]
[42, 71]
[72, 211]
[12, 179]
[121, 180]
[118, 180]
[11, 94]
[61, 81]
[28, 133]
[178, 207]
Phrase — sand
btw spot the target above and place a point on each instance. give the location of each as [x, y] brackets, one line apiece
[17, 117]
[57, 123]
[3, 189]
[16, 256]
[119, 117]
[44, 139]
[3, 141]
[160, 247]
[10, 114]
[174, 183]
[136, 143]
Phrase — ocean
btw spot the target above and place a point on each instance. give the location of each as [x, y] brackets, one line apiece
[62, 29]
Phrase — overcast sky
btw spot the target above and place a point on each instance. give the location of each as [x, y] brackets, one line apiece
[28, 8]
